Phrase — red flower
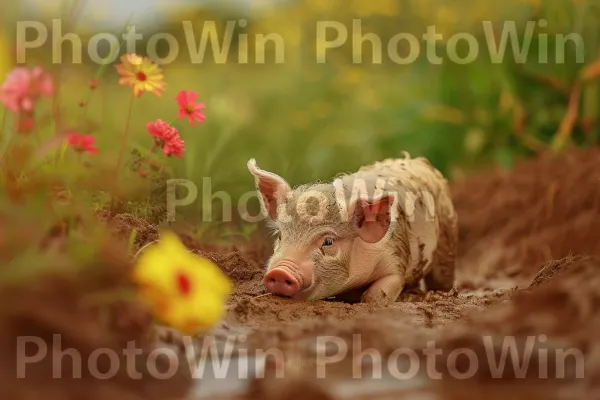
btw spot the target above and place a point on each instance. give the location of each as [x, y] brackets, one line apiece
[167, 137]
[22, 88]
[174, 147]
[82, 143]
[189, 108]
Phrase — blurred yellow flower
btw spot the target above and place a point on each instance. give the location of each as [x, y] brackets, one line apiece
[474, 140]
[141, 74]
[446, 21]
[185, 291]
[364, 8]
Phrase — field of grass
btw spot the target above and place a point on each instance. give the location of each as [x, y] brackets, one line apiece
[303, 119]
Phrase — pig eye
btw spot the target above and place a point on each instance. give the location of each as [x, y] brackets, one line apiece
[328, 241]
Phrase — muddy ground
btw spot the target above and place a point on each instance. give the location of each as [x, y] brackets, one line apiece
[527, 266]
[528, 269]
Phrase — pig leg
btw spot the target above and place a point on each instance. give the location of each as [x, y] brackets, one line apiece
[384, 290]
[441, 276]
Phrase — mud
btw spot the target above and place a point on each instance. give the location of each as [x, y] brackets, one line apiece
[513, 222]
[75, 312]
[528, 270]
[516, 278]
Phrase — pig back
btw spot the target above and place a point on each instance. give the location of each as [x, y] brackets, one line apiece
[424, 203]
[412, 175]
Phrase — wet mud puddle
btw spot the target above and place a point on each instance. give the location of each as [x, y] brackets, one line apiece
[231, 372]
[237, 379]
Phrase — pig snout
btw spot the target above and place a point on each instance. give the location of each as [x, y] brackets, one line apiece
[281, 282]
[286, 279]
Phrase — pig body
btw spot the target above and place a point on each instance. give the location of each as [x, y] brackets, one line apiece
[383, 228]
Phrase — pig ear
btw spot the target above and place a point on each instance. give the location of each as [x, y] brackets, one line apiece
[373, 217]
[272, 188]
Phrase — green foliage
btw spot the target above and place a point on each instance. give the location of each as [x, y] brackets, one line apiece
[307, 120]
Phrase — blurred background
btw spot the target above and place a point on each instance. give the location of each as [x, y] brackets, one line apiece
[306, 120]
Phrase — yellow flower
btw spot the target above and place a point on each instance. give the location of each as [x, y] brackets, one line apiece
[184, 290]
[141, 74]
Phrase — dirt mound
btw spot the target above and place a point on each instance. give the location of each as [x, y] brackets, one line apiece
[123, 227]
[554, 269]
[71, 314]
[243, 265]
[245, 273]
[543, 209]
[556, 318]
[561, 303]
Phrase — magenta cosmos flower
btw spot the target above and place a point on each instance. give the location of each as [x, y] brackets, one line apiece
[189, 108]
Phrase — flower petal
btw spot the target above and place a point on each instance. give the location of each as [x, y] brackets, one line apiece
[181, 99]
[192, 96]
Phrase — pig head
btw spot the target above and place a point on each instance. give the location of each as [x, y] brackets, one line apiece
[327, 241]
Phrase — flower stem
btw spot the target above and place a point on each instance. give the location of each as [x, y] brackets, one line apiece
[125, 136]
[87, 100]
[3, 122]
[4, 138]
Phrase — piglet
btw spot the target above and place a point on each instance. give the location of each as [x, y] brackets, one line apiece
[387, 227]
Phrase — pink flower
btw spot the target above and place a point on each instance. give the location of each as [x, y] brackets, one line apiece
[82, 143]
[189, 108]
[167, 137]
[22, 88]
[174, 147]
[159, 129]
